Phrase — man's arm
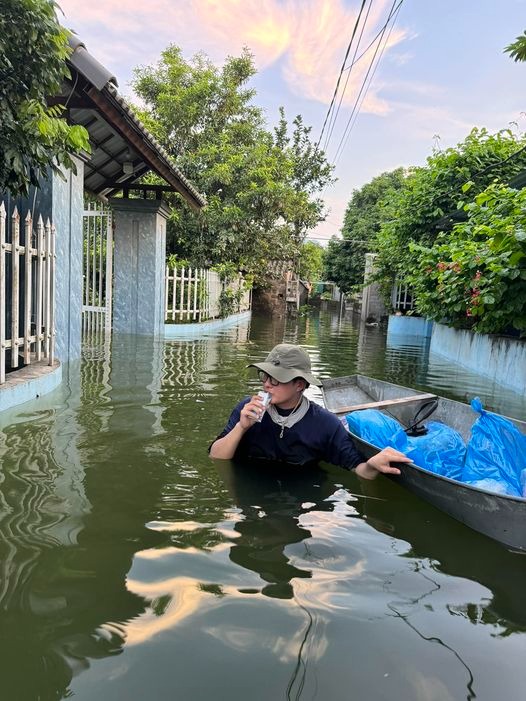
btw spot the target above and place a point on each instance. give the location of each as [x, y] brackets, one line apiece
[225, 447]
[381, 462]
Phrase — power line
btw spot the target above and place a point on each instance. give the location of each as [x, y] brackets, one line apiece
[356, 109]
[355, 60]
[375, 38]
[341, 71]
[334, 116]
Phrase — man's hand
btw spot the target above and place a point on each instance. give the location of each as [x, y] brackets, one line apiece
[381, 462]
[251, 412]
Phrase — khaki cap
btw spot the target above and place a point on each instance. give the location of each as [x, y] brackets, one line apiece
[285, 362]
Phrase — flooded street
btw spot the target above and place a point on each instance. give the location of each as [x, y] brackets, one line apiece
[134, 567]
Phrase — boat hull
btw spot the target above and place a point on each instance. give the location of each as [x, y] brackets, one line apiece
[500, 517]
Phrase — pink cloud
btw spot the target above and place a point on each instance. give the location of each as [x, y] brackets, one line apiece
[310, 36]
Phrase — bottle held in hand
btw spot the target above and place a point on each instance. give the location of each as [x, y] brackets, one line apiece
[265, 398]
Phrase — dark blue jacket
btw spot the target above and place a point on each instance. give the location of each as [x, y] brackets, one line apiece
[319, 435]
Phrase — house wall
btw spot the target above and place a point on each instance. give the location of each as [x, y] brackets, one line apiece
[273, 298]
[62, 200]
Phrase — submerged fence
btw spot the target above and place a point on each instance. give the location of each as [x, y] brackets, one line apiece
[27, 291]
[198, 294]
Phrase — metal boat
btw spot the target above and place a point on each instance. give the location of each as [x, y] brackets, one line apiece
[500, 517]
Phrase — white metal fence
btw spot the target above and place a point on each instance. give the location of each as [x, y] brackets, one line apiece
[97, 269]
[197, 294]
[27, 291]
[402, 298]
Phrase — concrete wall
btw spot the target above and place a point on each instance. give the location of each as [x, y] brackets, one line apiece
[373, 307]
[202, 328]
[273, 299]
[409, 326]
[67, 215]
[502, 359]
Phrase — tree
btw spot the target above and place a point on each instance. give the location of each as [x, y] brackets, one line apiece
[310, 173]
[431, 198]
[33, 52]
[517, 49]
[368, 208]
[260, 204]
[311, 261]
[475, 276]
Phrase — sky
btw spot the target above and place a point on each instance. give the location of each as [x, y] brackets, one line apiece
[441, 72]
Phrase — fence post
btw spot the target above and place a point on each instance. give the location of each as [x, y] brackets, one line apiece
[2, 292]
[196, 282]
[27, 287]
[39, 288]
[109, 272]
[47, 291]
[52, 299]
[174, 294]
[181, 300]
[15, 286]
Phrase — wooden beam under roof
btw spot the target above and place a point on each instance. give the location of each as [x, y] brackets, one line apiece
[147, 152]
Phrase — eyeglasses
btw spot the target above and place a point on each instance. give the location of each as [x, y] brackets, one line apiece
[267, 378]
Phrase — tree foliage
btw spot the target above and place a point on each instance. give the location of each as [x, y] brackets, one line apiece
[517, 49]
[33, 52]
[431, 196]
[369, 207]
[475, 276]
[311, 261]
[260, 185]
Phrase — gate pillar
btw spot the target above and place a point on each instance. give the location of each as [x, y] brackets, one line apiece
[139, 258]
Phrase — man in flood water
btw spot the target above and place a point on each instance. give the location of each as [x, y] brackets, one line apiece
[293, 430]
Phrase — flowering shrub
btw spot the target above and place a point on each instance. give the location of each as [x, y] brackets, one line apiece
[475, 276]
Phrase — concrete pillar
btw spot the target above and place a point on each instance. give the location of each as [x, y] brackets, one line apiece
[373, 307]
[139, 261]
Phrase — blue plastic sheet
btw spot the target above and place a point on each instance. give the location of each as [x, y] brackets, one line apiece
[496, 453]
[373, 426]
[494, 458]
[440, 450]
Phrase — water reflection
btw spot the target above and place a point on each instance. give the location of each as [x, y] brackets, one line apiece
[454, 549]
[271, 500]
[129, 556]
[67, 541]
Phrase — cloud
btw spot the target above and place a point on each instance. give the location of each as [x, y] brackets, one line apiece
[308, 38]
[315, 56]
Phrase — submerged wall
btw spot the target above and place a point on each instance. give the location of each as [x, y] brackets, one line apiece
[409, 326]
[500, 358]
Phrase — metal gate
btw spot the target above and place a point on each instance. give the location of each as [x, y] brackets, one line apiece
[97, 270]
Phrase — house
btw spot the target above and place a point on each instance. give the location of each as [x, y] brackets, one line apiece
[42, 297]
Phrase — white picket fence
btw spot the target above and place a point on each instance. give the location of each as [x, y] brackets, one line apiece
[27, 290]
[193, 294]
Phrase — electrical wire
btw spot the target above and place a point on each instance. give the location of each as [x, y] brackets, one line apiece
[375, 38]
[394, 10]
[358, 103]
[341, 73]
[334, 116]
